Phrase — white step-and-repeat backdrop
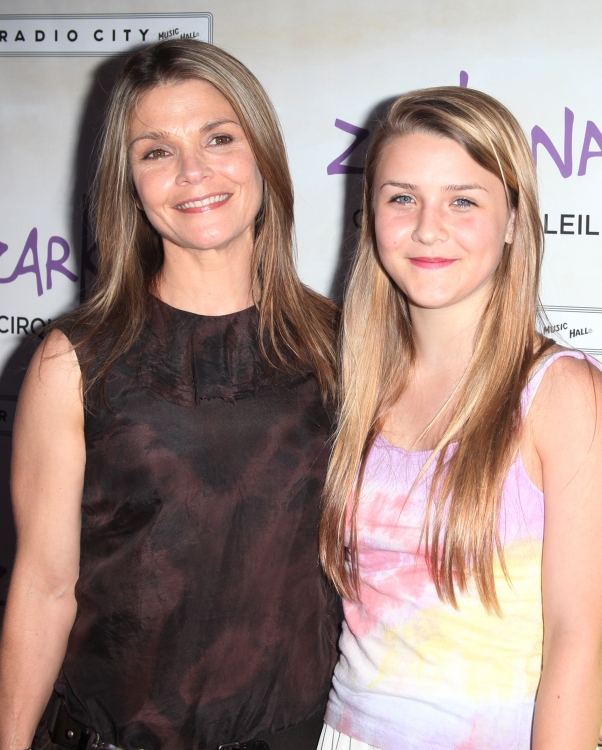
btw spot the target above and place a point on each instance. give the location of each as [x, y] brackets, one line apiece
[331, 67]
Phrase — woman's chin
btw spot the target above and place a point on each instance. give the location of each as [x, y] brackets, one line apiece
[206, 243]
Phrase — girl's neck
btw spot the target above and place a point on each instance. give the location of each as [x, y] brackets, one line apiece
[444, 338]
[444, 341]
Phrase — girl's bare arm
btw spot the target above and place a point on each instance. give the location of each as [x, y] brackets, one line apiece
[567, 432]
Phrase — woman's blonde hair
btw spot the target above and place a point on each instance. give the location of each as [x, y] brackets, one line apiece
[296, 324]
[377, 352]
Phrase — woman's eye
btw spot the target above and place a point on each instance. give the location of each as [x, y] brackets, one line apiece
[221, 140]
[404, 200]
[156, 153]
[463, 202]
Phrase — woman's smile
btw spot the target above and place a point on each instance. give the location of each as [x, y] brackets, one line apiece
[208, 203]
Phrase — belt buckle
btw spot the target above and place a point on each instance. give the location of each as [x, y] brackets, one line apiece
[229, 746]
[66, 732]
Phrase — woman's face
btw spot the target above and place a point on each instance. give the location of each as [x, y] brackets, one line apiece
[441, 220]
[195, 174]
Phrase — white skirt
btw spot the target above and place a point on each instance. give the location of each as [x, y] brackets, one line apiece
[330, 739]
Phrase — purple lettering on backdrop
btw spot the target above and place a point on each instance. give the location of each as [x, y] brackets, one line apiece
[20, 269]
[463, 79]
[337, 166]
[539, 136]
[52, 264]
[592, 133]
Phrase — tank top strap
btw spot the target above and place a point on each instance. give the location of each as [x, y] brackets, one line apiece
[531, 388]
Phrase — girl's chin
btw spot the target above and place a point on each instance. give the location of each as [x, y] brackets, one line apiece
[429, 302]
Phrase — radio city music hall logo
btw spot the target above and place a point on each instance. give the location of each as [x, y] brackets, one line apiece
[99, 35]
[96, 35]
[563, 330]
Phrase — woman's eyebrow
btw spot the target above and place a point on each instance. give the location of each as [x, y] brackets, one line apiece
[161, 135]
[158, 135]
[217, 124]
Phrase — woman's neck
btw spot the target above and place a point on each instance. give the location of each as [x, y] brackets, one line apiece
[206, 282]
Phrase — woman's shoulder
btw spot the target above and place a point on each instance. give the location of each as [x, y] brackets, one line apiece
[54, 375]
[327, 311]
[312, 338]
[55, 354]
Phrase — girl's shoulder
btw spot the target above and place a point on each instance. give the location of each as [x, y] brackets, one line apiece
[562, 409]
[564, 391]
[561, 365]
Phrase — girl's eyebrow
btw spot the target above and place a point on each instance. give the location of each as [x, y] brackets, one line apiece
[446, 189]
[453, 188]
[402, 185]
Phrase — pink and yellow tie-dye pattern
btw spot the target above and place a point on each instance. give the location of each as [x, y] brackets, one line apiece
[414, 672]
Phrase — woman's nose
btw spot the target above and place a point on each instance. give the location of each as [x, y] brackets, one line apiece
[193, 167]
[430, 227]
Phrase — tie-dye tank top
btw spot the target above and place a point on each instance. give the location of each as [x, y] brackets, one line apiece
[414, 673]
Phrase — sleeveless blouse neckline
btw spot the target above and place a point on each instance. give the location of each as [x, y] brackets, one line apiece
[186, 357]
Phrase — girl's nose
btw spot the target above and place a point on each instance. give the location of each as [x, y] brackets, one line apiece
[430, 227]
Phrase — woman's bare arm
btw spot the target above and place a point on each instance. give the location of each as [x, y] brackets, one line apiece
[47, 479]
[567, 431]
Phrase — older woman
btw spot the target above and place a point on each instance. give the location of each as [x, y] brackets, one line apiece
[170, 446]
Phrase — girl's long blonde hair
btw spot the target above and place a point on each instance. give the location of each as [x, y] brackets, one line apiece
[296, 324]
[460, 530]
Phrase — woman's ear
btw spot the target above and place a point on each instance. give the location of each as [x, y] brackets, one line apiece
[137, 201]
[509, 239]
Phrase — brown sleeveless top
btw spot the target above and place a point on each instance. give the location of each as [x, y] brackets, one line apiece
[203, 616]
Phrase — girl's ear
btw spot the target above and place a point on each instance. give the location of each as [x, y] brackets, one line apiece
[509, 239]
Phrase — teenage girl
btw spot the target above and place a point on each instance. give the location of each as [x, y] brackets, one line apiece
[463, 506]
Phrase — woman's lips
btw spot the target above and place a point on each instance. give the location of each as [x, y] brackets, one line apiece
[199, 205]
[432, 263]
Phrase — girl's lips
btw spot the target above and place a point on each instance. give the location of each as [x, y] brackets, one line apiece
[199, 205]
[432, 263]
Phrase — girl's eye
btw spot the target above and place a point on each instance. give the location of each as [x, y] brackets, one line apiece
[403, 200]
[221, 140]
[463, 202]
[156, 153]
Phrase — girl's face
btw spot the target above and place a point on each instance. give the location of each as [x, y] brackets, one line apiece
[441, 220]
[193, 169]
